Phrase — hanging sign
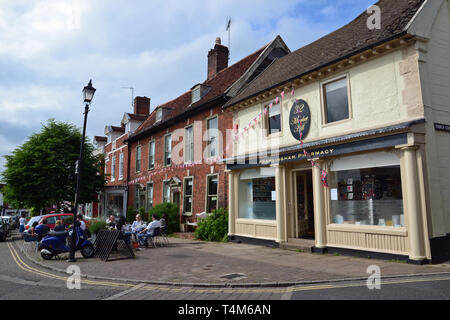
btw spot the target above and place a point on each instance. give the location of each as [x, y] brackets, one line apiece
[300, 119]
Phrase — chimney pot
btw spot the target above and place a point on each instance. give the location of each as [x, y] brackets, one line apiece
[217, 58]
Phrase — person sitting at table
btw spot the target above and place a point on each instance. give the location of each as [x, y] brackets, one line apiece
[137, 226]
[42, 229]
[111, 222]
[149, 230]
[59, 226]
[122, 227]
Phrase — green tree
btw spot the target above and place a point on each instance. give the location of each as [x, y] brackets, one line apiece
[41, 172]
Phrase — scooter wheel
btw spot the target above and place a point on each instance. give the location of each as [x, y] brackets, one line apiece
[88, 251]
[46, 256]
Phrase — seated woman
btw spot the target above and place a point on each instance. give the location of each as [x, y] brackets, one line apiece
[121, 226]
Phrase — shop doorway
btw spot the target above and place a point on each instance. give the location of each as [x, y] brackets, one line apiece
[304, 205]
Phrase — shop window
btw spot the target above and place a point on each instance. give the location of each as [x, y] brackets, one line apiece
[211, 192]
[212, 132]
[167, 150]
[149, 196]
[335, 97]
[166, 191]
[273, 119]
[138, 158]
[114, 204]
[367, 196]
[257, 195]
[151, 155]
[189, 144]
[188, 193]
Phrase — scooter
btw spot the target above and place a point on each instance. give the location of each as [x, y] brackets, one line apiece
[55, 243]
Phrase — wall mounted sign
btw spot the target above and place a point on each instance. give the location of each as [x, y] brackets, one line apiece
[442, 127]
[335, 150]
[299, 119]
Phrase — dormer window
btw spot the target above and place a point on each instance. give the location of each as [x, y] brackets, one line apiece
[198, 92]
[158, 115]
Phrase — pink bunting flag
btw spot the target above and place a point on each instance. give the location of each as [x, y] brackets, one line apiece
[270, 105]
[282, 94]
[292, 92]
[276, 100]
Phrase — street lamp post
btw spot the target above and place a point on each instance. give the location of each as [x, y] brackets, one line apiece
[88, 94]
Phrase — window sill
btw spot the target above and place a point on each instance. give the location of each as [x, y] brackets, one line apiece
[187, 214]
[257, 221]
[395, 231]
[324, 125]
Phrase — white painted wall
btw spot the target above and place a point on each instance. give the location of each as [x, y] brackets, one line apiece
[435, 74]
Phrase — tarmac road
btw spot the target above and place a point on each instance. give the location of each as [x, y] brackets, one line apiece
[21, 279]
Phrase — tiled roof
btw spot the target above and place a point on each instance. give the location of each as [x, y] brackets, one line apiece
[182, 104]
[140, 117]
[98, 138]
[348, 40]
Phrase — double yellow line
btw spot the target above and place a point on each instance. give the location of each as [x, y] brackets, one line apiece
[35, 271]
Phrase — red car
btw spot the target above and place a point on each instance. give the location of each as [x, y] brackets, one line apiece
[51, 219]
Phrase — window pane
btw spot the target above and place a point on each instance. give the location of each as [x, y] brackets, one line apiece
[255, 198]
[168, 150]
[336, 97]
[149, 196]
[212, 204]
[188, 187]
[274, 124]
[212, 136]
[212, 186]
[371, 196]
[166, 192]
[189, 144]
[138, 158]
[151, 155]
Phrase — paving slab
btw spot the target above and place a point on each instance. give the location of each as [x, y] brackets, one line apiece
[190, 263]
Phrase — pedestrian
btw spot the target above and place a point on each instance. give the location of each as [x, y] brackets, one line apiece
[22, 222]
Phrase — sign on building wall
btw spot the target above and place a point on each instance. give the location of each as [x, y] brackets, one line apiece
[300, 119]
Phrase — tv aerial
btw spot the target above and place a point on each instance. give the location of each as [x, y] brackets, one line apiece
[132, 94]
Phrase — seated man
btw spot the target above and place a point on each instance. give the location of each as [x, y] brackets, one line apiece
[42, 229]
[59, 226]
[111, 222]
[148, 232]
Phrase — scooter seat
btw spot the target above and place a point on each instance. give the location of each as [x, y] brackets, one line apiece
[58, 233]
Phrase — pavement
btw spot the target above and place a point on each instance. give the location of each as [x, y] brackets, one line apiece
[191, 263]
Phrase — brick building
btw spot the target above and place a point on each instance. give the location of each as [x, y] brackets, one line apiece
[175, 154]
[113, 198]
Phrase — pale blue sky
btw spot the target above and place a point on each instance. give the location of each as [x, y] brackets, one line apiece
[49, 49]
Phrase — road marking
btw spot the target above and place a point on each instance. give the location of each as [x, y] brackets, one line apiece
[284, 291]
[123, 293]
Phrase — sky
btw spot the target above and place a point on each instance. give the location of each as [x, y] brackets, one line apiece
[49, 49]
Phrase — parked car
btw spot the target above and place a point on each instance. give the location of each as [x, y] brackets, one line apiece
[51, 219]
[3, 230]
[7, 222]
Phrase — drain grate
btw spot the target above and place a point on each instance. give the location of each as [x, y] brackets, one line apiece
[232, 276]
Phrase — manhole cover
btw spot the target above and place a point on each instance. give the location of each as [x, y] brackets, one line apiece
[233, 276]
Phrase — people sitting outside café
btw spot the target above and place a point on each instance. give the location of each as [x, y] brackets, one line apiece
[163, 222]
[148, 232]
[122, 227]
[137, 226]
[111, 222]
[42, 229]
[59, 226]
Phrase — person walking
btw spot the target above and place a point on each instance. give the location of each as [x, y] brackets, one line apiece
[22, 222]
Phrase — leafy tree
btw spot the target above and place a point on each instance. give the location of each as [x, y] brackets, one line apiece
[41, 172]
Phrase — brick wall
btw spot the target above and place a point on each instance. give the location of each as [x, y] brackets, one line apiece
[199, 172]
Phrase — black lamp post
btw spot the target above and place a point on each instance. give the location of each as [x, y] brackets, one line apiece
[88, 94]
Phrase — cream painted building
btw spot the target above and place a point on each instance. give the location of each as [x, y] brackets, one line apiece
[373, 109]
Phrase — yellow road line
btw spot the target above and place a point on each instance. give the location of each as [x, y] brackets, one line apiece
[27, 268]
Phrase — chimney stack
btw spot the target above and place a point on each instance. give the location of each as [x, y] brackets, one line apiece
[142, 105]
[217, 58]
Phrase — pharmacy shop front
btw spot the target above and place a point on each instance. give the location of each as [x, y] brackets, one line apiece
[371, 201]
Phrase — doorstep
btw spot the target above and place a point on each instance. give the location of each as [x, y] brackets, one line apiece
[295, 244]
